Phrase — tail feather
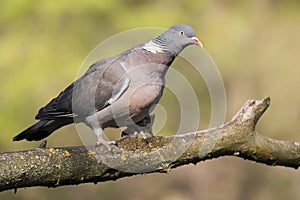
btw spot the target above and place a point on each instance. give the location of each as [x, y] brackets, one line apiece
[41, 129]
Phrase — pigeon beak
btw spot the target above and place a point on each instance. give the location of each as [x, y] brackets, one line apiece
[196, 41]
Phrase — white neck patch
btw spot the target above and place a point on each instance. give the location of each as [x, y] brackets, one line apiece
[152, 47]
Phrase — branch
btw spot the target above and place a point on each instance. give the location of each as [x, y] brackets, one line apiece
[53, 167]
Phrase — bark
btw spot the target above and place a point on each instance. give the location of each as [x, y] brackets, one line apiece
[53, 167]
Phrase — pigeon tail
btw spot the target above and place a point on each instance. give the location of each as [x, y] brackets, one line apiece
[40, 130]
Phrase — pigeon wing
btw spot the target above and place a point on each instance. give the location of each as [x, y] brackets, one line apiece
[103, 83]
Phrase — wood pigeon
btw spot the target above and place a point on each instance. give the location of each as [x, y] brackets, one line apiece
[117, 91]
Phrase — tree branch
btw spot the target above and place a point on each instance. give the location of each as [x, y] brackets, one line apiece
[53, 167]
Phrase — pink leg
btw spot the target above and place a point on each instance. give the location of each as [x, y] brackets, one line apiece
[99, 133]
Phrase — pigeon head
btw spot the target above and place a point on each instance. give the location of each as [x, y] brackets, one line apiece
[176, 38]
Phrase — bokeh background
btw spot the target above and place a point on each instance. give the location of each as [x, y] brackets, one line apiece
[255, 44]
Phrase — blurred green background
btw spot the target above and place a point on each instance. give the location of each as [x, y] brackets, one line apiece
[255, 44]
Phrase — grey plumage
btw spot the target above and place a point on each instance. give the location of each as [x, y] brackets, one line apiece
[117, 91]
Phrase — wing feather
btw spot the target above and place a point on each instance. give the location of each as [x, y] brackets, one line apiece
[103, 83]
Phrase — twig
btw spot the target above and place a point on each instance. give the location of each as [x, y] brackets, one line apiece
[53, 167]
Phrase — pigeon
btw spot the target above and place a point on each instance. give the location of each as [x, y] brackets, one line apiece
[118, 91]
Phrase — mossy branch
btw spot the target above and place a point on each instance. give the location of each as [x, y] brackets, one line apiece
[53, 167]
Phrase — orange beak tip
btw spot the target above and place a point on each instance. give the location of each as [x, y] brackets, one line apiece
[197, 41]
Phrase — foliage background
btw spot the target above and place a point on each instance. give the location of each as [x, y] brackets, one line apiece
[256, 45]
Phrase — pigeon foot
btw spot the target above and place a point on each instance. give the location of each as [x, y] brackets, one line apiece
[107, 144]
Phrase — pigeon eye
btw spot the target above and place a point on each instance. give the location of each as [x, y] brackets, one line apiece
[181, 32]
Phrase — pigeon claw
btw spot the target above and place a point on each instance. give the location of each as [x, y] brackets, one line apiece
[143, 134]
[107, 144]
